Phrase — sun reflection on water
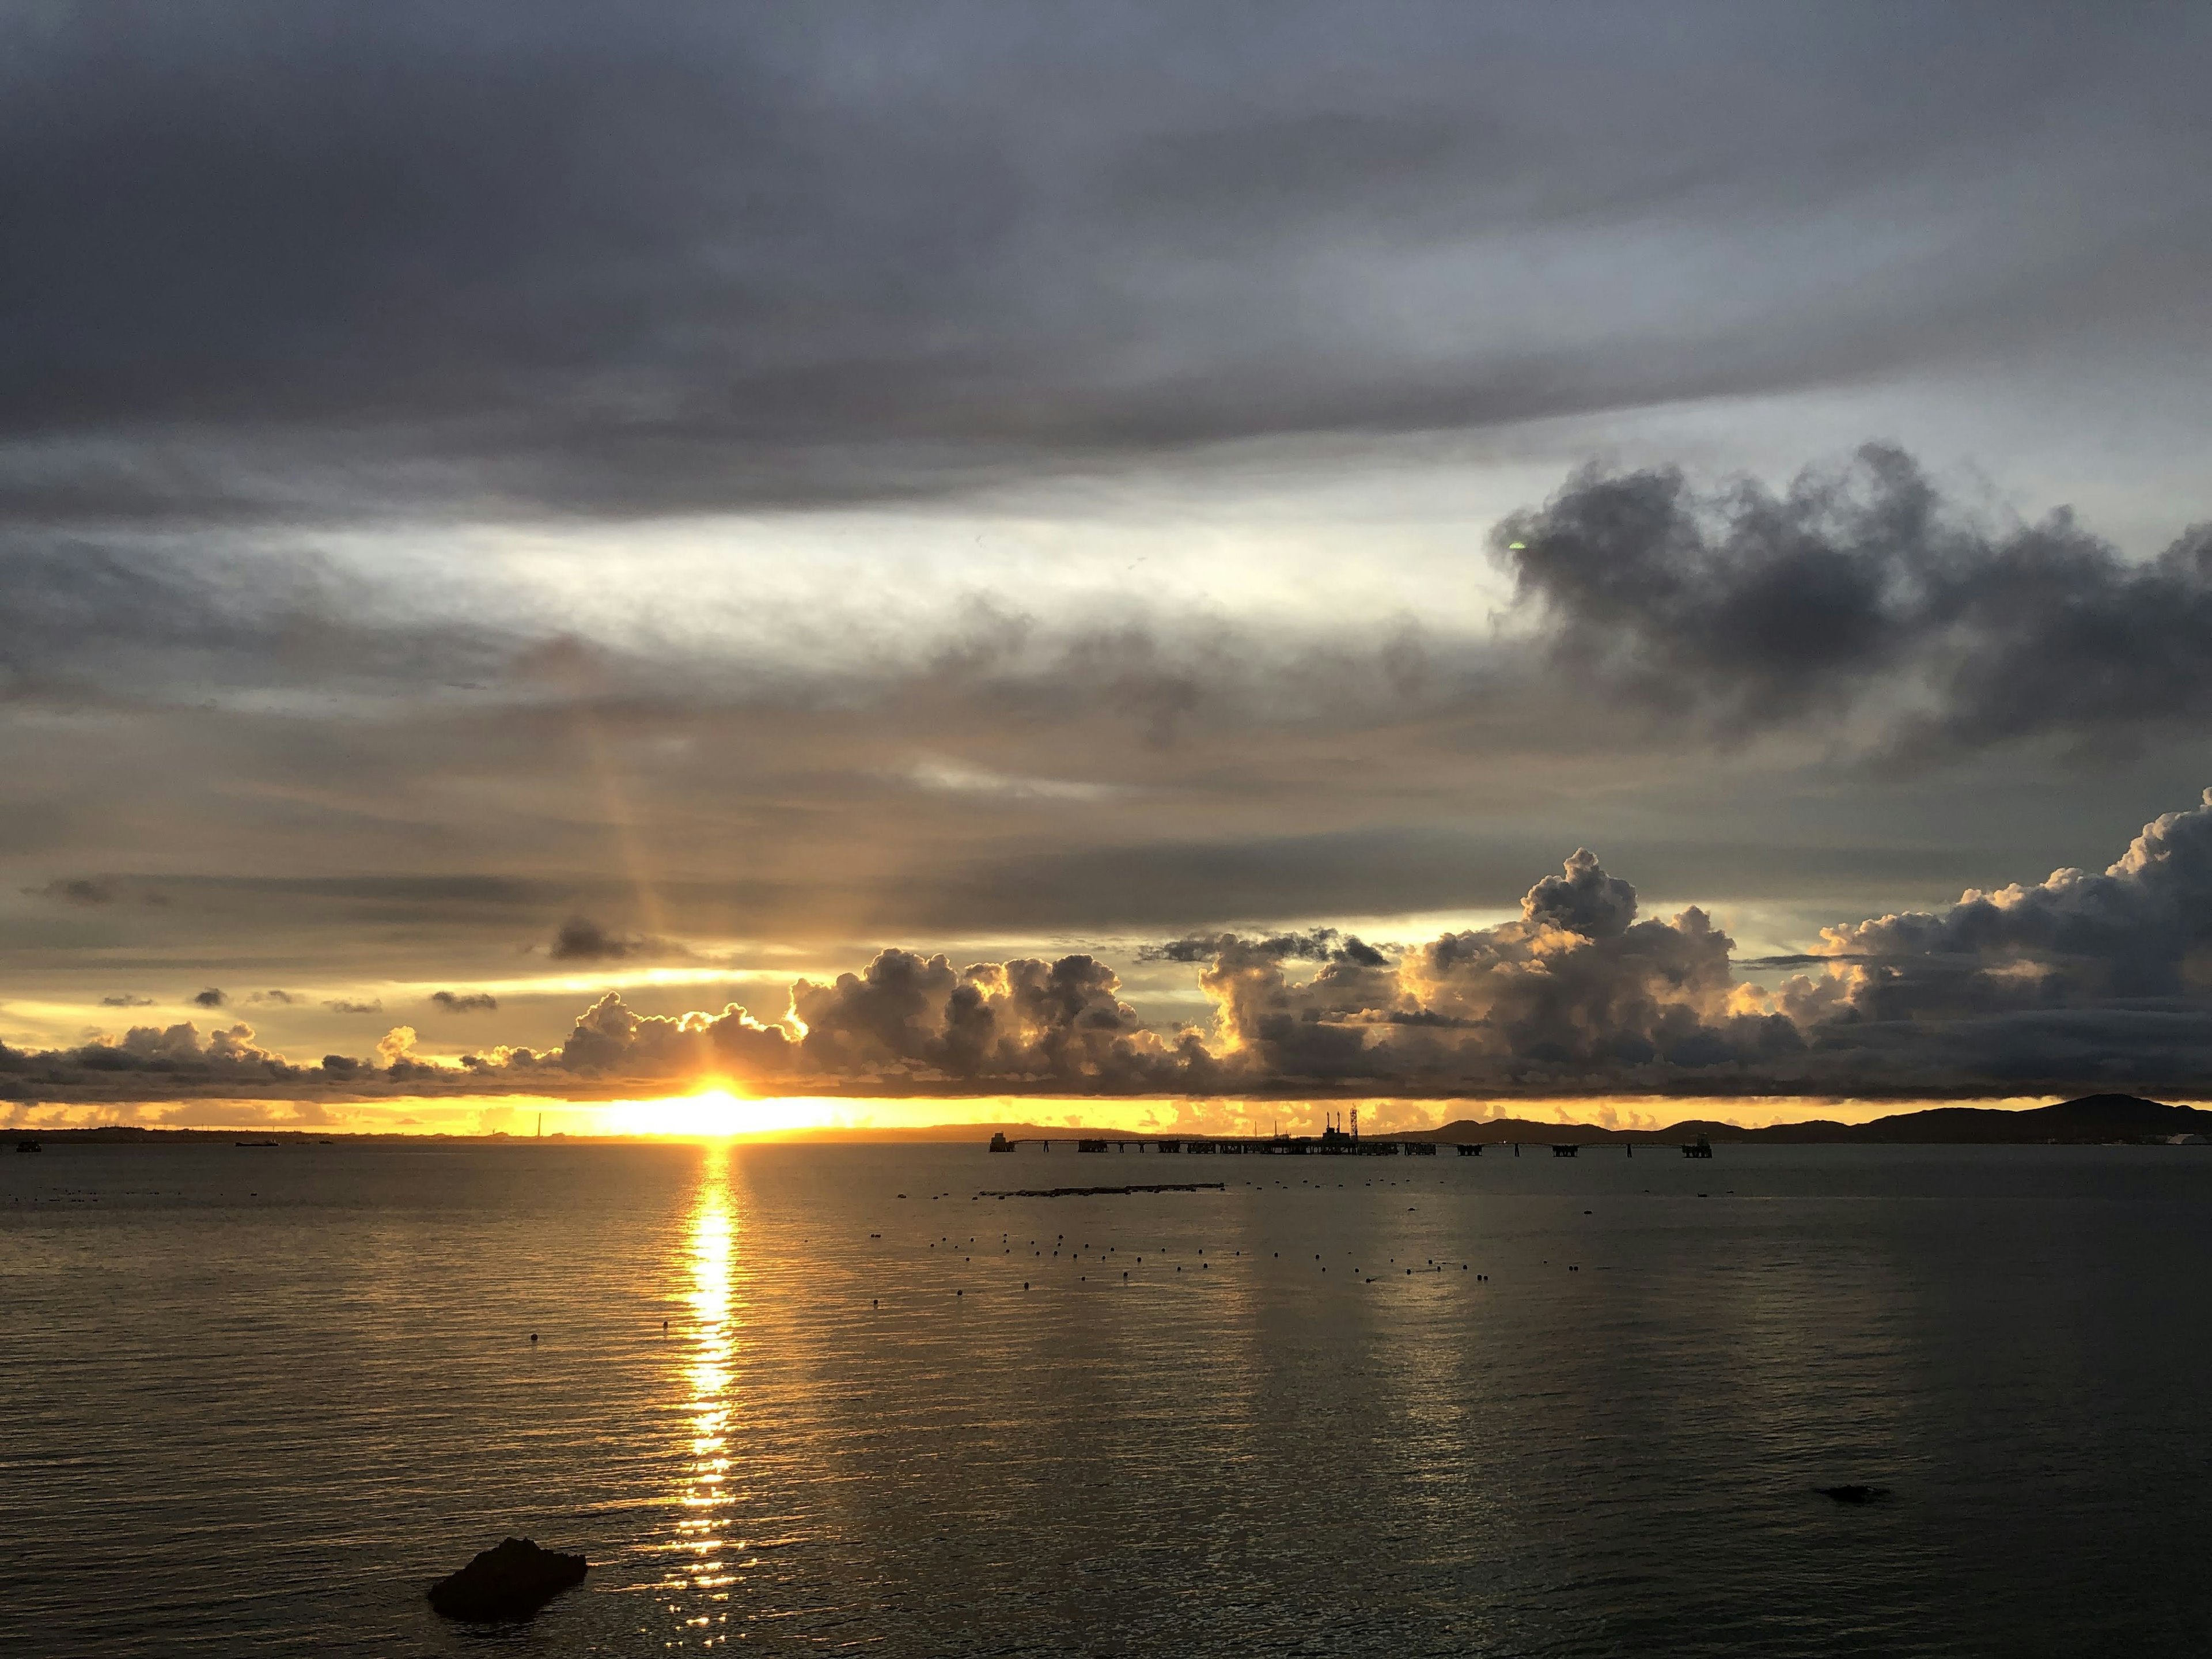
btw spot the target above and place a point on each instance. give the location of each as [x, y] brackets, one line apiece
[702, 1538]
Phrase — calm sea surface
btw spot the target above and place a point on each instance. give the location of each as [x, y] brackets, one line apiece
[799, 1399]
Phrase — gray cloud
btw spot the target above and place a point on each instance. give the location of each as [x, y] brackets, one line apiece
[421, 840]
[581, 940]
[126, 1002]
[341, 1005]
[1320, 945]
[81, 889]
[698, 258]
[210, 998]
[167, 619]
[469, 1002]
[1860, 590]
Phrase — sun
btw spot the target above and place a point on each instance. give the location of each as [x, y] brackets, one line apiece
[715, 1114]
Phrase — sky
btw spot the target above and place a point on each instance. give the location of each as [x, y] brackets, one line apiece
[1148, 551]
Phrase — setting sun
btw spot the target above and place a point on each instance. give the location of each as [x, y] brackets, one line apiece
[715, 1114]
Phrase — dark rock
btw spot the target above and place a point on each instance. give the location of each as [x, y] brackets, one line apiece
[1854, 1494]
[510, 1582]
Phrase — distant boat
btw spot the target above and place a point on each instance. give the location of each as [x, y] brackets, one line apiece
[253, 1143]
[28, 1146]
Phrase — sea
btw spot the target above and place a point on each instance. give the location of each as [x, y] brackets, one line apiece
[825, 1399]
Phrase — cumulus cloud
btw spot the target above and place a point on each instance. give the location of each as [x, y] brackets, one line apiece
[907, 1020]
[172, 1056]
[1861, 592]
[2085, 980]
[2106, 974]
[469, 1002]
[1576, 991]
[210, 998]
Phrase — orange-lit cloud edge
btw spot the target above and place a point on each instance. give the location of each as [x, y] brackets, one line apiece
[722, 1111]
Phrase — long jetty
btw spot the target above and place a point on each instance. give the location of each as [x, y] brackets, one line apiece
[1330, 1143]
[1102, 1192]
[1334, 1143]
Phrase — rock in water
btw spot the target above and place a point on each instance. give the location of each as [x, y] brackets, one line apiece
[510, 1582]
[1854, 1494]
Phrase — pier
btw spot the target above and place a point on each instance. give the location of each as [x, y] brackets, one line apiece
[1330, 1143]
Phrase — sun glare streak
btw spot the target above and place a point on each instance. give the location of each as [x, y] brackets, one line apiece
[621, 820]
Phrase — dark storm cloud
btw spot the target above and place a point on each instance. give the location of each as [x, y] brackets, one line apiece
[1860, 590]
[281, 258]
[466, 1002]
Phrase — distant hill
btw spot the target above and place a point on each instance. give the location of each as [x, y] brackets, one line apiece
[2093, 1119]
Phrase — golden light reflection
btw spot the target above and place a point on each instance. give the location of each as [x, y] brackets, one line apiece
[703, 1535]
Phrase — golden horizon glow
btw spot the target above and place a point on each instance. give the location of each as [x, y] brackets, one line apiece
[721, 1112]
[715, 1114]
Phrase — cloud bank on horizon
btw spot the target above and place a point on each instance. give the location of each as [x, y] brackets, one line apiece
[2084, 980]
